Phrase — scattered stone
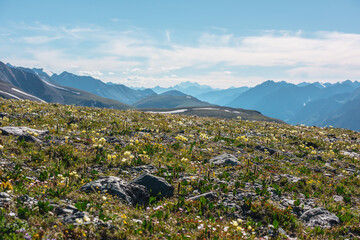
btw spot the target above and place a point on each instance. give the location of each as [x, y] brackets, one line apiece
[28, 138]
[291, 178]
[319, 217]
[189, 178]
[2, 114]
[5, 199]
[4, 195]
[18, 131]
[209, 195]
[225, 160]
[145, 168]
[338, 198]
[77, 218]
[271, 231]
[263, 149]
[137, 221]
[351, 170]
[311, 144]
[68, 210]
[282, 231]
[246, 195]
[157, 186]
[131, 193]
[27, 200]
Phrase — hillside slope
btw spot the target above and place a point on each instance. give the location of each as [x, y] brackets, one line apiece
[169, 101]
[73, 172]
[215, 112]
[31, 85]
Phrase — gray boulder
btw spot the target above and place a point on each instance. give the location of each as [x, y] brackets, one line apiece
[225, 160]
[18, 131]
[319, 217]
[131, 193]
[157, 186]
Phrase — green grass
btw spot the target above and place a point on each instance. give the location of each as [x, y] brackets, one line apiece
[84, 144]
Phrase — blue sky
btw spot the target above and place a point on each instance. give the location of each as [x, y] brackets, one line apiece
[218, 43]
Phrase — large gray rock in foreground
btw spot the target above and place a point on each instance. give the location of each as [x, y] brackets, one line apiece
[17, 131]
[129, 192]
[225, 160]
[157, 186]
[319, 217]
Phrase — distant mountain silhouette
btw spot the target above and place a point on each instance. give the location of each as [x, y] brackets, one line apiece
[341, 110]
[221, 96]
[348, 115]
[173, 93]
[189, 88]
[303, 103]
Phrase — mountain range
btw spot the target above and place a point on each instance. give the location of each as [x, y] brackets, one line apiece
[309, 104]
[319, 104]
[36, 85]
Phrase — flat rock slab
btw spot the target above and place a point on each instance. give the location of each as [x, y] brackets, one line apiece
[319, 217]
[18, 131]
[225, 160]
[157, 186]
[131, 193]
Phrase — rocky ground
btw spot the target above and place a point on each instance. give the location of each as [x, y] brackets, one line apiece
[75, 173]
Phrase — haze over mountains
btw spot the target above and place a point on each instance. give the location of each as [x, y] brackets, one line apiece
[316, 104]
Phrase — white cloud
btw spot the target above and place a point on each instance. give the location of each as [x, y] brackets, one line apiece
[326, 56]
[168, 37]
[208, 39]
[39, 39]
[90, 73]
